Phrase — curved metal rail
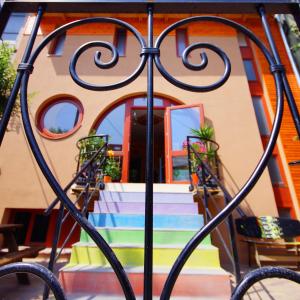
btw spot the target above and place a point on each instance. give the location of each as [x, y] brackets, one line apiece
[150, 54]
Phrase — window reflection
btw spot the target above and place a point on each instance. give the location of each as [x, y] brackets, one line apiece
[113, 125]
[181, 40]
[61, 117]
[180, 168]
[274, 171]
[182, 121]
[142, 101]
[260, 116]
[249, 69]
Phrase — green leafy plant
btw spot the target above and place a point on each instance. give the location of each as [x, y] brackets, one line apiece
[205, 148]
[88, 146]
[112, 166]
[205, 132]
[7, 76]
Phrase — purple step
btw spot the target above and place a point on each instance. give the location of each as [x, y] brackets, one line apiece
[110, 196]
[139, 208]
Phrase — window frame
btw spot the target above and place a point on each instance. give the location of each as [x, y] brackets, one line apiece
[44, 108]
[52, 51]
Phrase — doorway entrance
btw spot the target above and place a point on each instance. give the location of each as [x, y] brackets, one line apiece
[125, 123]
[138, 145]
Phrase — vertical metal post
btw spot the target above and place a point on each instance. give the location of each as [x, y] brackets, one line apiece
[234, 250]
[191, 187]
[56, 237]
[148, 254]
[287, 89]
[14, 92]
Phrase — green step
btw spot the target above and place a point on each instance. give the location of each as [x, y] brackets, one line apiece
[136, 236]
[205, 256]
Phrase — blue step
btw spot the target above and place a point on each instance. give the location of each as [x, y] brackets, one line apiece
[138, 221]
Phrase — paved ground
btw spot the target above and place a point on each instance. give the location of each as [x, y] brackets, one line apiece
[268, 289]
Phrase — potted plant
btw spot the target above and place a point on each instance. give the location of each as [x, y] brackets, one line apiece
[89, 145]
[205, 148]
[112, 170]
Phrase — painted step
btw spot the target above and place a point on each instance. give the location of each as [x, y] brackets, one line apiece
[159, 221]
[136, 236]
[204, 256]
[213, 284]
[110, 196]
[141, 187]
[139, 208]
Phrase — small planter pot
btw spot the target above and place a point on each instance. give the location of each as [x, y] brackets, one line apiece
[195, 179]
[107, 178]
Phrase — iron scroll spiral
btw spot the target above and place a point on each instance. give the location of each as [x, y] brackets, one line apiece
[259, 274]
[83, 222]
[97, 57]
[97, 60]
[254, 177]
[191, 66]
[38, 270]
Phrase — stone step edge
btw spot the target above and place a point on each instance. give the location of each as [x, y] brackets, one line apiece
[156, 246]
[156, 270]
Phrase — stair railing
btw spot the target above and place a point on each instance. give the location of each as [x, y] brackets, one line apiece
[200, 163]
[91, 169]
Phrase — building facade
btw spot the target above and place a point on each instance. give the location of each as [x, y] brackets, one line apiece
[240, 113]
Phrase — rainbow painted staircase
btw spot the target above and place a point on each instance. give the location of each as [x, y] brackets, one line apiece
[119, 217]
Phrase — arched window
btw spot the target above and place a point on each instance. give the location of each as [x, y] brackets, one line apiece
[113, 125]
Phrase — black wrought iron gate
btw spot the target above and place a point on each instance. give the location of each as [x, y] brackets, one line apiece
[150, 57]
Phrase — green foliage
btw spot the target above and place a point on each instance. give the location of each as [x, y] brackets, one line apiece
[205, 132]
[7, 75]
[112, 168]
[88, 146]
[204, 148]
[57, 130]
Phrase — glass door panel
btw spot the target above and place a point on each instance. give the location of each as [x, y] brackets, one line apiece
[179, 122]
[182, 121]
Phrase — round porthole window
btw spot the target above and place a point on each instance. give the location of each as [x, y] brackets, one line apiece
[59, 118]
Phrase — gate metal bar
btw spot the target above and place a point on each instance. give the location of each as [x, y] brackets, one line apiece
[148, 254]
[149, 54]
[287, 89]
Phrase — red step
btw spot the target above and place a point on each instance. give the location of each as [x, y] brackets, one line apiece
[210, 283]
